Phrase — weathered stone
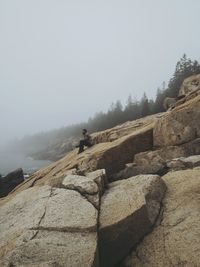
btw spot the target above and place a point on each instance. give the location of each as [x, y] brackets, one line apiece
[82, 184]
[150, 162]
[44, 226]
[112, 134]
[111, 156]
[169, 102]
[159, 156]
[192, 148]
[10, 181]
[53, 249]
[175, 241]
[184, 163]
[175, 165]
[128, 211]
[190, 84]
[179, 126]
[99, 177]
[86, 186]
[114, 155]
[134, 170]
[83, 216]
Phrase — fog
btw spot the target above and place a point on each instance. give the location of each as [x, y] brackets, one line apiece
[62, 61]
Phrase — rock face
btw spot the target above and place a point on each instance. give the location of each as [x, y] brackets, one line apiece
[193, 147]
[91, 186]
[122, 130]
[49, 226]
[175, 241]
[184, 163]
[190, 85]
[111, 156]
[169, 102]
[159, 156]
[69, 215]
[58, 150]
[153, 162]
[179, 126]
[10, 181]
[133, 170]
[128, 211]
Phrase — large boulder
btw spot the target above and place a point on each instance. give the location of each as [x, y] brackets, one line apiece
[169, 102]
[129, 209]
[193, 147]
[190, 85]
[52, 225]
[133, 170]
[179, 126]
[150, 162]
[175, 240]
[159, 156]
[90, 186]
[10, 181]
[184, 163]
[112, 134]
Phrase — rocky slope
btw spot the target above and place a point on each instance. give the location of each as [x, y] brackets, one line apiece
[73, 214]
[175, 240]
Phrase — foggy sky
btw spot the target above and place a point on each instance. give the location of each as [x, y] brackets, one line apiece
[63, 60]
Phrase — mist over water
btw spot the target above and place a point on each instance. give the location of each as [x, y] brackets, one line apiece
[10, 161]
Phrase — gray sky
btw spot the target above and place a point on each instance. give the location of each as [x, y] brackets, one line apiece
[63, 60]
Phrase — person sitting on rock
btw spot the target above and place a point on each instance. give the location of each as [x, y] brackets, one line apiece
[86, 141]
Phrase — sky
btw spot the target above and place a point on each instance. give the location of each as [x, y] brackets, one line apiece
[61, 61]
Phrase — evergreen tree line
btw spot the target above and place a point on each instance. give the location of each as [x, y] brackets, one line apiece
[134, 109]
[117, 113]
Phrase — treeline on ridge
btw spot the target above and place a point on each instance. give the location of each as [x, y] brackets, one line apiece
[116, 114]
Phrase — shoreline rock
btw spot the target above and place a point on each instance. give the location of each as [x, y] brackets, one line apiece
[10, 181]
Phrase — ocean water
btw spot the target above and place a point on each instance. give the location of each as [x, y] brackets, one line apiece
[10, 161]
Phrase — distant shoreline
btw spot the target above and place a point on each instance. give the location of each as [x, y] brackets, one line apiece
[10, 161]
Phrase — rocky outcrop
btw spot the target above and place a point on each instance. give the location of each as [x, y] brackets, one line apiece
[153, 162]
[128, 210]
[111, 156]
[184, 163]
[123, 129]
[52, 226]
[159, 156]
[169, 102]
[56, 224]
[179, 126]
[175, 240]
[68, 214]
[190, 85]
[193, 147]
[10, 181]
[133, 170]
[91, 186]
[60, 148]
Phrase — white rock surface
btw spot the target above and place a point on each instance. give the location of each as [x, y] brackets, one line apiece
[82, 184]
[128, 211]
[44, 226]
[176, 239]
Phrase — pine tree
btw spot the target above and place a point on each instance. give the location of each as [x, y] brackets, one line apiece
[160, 96]
[145, 110]
[185, 67]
